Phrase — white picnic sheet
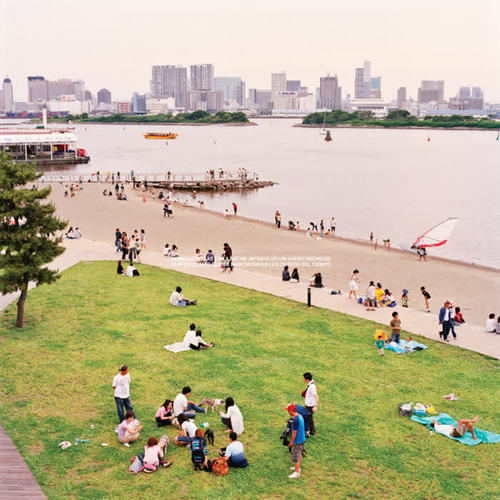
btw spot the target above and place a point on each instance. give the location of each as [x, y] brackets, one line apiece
[176, 347]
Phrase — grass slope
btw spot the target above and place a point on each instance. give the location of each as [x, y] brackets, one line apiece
[55, 378]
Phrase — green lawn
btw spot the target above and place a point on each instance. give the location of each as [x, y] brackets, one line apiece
[55, 378]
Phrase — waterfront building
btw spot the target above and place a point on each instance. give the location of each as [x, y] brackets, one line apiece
[376, 87]
[366, 87]
[169, 81]
[467, 100]
[8, 95]
[79, 90]
[278, 82]
[431, 91]
[329, 95]
[58, 88]
[156, 106]
[138, 104]
[464, 93]
[1, 100]
[285, 101]
[260, 99]
[378, 107]
[477, 93]
[104, 97]
[202, 77]
[123, 107]
[233, 89]
[38, 89]
[206, 100]
[401, 97]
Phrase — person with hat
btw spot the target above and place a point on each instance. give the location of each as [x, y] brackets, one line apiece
[297, 440]
[121, 386]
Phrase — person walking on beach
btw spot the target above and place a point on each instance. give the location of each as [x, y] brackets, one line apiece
[353, 284]
[277, 219]
[310, 395]
[395, 326]
[235, 208]
[427, 298]
[333, 225]
[121, 386]
[445, 321]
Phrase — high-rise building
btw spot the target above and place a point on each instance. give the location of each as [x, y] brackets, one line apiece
[367, 79]
[38, 89]
[477, 93]
[464, 92]
[278, 82]
[376, 88]
[359, 84]
[1, 100]
[104, 96]
[88, 95]
[363, 83]
[293, 86]
[8, 95]
[123, 107]
[401, 97]
[79, 90]
[329, 95]
[202, 77]
[170, 81]
[260, 99]
[60, 87]
[138, 104]
[206, 100]
[467, 100]
[431, 91]
[232, 87]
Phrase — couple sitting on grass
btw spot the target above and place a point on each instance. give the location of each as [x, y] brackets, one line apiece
[193, 339]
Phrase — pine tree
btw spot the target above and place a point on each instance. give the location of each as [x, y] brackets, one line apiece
[28, 232]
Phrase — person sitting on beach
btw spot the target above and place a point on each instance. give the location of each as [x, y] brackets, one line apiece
[105, 192]
[285, 275]
[490, 324]
[178, 300]
[390, 300]
[458, 318]
[199, 258]
[187, 432]
[166, 250]
[119, 196]
[295, 275]
[457, 431]
[234, 453]
[316, 280]
[128, 430]
[164, 415]
[70, 234]
[210, 257]
[379, 294]
[174, 252]
[77, 234]
[119, 268]
[132, 271]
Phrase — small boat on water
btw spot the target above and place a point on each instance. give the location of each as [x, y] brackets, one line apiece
[328, 136]
[160, 135]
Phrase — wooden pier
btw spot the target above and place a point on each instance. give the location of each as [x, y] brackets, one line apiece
[225, 181]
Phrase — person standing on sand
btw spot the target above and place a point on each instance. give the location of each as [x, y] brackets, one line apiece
[370, 297]
[371, 238]
[277, 219]
[427, 298]
[333, 225]
[227, 257]
[235, 208]
[353, 284]
[118, 238]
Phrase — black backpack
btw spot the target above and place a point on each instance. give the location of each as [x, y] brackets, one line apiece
[197, 451]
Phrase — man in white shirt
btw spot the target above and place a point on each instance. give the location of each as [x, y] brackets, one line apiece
[234, 453]
[190, 337]
[182, 405]
[490, 324]
[77, 234]
[178, 300]
[370, 297]
[310, 400]
[121, 386]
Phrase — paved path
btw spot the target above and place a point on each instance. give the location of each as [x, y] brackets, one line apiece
[16, 480]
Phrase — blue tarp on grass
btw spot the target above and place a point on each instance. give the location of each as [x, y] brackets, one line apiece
[404, 346]
[445, 419]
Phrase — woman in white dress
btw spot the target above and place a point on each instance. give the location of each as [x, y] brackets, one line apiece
[353, 284]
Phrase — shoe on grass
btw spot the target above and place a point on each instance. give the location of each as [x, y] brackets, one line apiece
[116, 430]
[126, 444]
[294, 475]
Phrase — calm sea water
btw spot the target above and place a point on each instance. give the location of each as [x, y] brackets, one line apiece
[392, 182]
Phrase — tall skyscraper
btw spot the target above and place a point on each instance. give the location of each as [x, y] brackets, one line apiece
[431, 91]
[232, 87]
[104, 96]
[202, 77]
[60, 87]
[278, 82]
[329, 95]
[376, 87]
[8, 95]
[467, 100]
[293, 86]
[79, 90]
[138, 104]
[170, 81]
[206, 100]
[38, 89]
[363, 83]
[477, 93]
[1, 100]
[367, 79]
[401, 97]
[359, 84]
[464, 92]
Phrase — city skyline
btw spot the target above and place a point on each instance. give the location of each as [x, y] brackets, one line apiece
[405, 43]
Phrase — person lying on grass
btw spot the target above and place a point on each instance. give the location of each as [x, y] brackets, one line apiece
[457, 431]
[128, 430]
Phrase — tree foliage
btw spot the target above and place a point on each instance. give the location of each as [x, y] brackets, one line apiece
[28, 232]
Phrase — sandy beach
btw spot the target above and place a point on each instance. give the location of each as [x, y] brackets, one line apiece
[475, 289]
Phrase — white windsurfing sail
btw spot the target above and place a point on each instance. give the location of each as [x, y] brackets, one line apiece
[437, 235]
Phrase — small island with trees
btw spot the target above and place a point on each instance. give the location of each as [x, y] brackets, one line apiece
[198, 117]
[395, 119]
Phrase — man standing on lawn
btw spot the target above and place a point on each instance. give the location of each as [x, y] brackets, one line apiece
[310, 395]
[297, 441]
[121, 385]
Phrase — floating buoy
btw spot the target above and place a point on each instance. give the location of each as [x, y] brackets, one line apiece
[428, 138]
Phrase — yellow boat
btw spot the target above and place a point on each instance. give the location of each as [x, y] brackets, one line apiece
[160, 135]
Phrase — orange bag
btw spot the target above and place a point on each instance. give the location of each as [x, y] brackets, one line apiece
[219, 466]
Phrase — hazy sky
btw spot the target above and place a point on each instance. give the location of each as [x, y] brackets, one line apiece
[113, 43]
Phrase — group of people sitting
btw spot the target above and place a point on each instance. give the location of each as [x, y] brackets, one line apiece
[130, 272]
[171, 251]
[73, 234]
[286, 276]
[493, 326]
[377, 297]
[194, 340]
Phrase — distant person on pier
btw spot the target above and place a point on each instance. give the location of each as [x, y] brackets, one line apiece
[235, 208]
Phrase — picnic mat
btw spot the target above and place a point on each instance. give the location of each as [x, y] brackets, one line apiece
[445, 419]
[404, 346]
[176, 347]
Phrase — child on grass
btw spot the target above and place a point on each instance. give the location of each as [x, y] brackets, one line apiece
[380, 345]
